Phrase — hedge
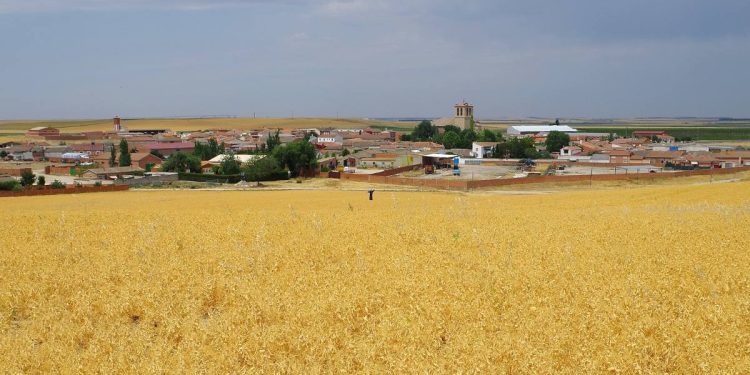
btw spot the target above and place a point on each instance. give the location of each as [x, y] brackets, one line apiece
[199, 177]
[228, 179]
[9, 185]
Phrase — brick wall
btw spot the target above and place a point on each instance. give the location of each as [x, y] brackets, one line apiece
[73, 190]
[601, 177]
[17, 172]
[58, 170]
[478, 184]
[395, 171]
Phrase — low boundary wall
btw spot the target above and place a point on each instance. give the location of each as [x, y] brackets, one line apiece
[478, 184]
[71, 190]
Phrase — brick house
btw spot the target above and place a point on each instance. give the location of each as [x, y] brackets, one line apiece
[142, 160]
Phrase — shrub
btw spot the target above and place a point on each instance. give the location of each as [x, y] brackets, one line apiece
[40, 180]
[57, 185]
[27, 179]
[98, 183]
[9, 185]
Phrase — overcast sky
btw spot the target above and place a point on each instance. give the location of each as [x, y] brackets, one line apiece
[374, 58]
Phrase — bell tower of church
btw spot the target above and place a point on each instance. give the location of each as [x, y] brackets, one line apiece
[463, 115]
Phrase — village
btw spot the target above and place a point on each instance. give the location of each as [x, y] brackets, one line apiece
[454, 148]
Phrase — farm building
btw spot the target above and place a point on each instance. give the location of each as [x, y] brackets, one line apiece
[42, 131]
[619, 156]
[15, 171]
[143, 160]
[382, 161]
[110, 173]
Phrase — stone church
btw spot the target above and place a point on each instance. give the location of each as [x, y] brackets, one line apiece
[463, 115]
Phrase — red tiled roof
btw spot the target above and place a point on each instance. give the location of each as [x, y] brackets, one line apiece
[168, 146]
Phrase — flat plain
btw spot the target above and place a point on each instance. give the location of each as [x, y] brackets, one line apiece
[649, 279]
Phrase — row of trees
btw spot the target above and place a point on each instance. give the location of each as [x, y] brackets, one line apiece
[200, 152]
[452, 137]
[28, 179]
[208, 151]
[125, 159]
[525, 148]
[298, 158]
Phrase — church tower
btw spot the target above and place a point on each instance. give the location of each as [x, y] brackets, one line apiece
[464, 115]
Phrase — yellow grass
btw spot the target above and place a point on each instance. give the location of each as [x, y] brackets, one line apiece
[196, 124]
[650, 280]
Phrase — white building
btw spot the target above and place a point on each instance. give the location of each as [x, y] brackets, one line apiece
[481, 150]
[240, 158]
[539, 129]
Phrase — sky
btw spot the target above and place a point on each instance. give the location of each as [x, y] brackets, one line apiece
[373, 58]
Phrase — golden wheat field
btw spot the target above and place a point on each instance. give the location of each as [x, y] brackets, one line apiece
[647, 280]
[11, 128]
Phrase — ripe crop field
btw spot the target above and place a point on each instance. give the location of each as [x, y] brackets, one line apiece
[194, 124]
[646, 280]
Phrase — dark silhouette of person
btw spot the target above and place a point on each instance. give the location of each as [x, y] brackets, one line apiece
[371, 191]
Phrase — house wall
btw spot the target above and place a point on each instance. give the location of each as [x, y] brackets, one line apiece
[149, 159]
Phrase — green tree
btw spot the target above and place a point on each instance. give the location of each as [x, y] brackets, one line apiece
[112, 155]
[468, 136]
[229, 165]
[3, 153]
[299, 157]
[27, 179]
[157, 154]
[209, 150]
[182, 162]
[451, 140]
[345, 152]
[516, 148]
[452, 128]
[611, 137]
[556, 140]
[264, 169]
[124, 154]
[487, 135]
[273, 141]
[424, 131]
[57, 185]
[40, 180]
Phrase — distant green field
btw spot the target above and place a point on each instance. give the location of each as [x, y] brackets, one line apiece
[695, 133]
[407, 127]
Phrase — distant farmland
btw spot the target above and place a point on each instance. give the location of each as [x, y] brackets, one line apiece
[695, 133]
[193, 124]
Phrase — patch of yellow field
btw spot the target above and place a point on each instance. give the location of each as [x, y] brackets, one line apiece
[647, 280]
[198, 124]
